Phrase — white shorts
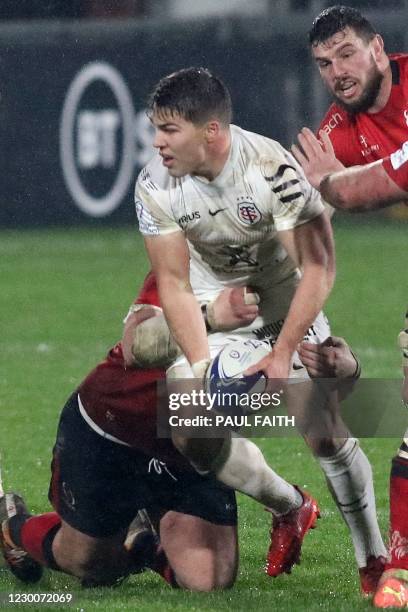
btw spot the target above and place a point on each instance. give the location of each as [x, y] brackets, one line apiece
[318, 332]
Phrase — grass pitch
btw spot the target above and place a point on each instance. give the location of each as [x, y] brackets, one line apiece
[63, 296]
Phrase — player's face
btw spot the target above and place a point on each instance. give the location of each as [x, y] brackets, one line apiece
[349, 68]
[181, 144]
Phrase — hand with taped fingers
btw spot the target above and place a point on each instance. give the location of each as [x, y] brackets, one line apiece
[332, 358]
[234, 307]
[316, 157]
[147, 342]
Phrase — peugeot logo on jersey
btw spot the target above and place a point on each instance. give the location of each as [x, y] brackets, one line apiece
[248, 213]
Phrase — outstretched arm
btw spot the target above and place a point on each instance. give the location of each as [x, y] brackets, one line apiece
[356, 189]
[170, 260]
[311, 247]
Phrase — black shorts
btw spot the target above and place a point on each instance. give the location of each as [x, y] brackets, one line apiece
[97, 485]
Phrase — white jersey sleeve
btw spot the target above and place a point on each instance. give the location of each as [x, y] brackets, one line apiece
[152, 195]
[294, 201]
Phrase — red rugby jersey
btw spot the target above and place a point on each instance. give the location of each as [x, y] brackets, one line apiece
[367, 137]
[123, 401]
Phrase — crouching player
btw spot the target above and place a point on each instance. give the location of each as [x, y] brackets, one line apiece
[108, 464]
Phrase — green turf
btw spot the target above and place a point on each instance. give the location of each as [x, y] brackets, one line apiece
[63, 296]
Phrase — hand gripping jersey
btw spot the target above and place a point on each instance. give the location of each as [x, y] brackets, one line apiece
[122, 402]
[231, 223]
[367, 137]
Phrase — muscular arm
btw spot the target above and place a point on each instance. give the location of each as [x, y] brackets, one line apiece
[356, 189]
[361, 188]
[170, 260]
[311, 246]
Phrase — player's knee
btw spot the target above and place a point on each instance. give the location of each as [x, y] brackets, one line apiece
[85, 560]
[199, 451]
[212, 577]
[215, 555]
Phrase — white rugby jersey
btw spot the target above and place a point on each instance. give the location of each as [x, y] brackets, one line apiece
[231, 223]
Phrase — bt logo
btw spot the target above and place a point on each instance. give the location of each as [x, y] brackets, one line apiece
[102, 140]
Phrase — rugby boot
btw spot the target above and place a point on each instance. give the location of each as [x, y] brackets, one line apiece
[143, 543]
[392, 590]
[19, 562]
[287, 534]
[371, 574]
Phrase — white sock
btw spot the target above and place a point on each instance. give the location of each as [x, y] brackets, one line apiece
[246, 470]
[350, 479]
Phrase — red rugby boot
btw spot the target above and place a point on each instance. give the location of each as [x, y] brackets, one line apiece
[392, 591]
[371, 574]
[287, 536]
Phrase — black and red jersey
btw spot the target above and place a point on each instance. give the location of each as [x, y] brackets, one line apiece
[123, 401]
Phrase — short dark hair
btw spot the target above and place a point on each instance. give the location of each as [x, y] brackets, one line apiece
[337, 18]
[193, 93]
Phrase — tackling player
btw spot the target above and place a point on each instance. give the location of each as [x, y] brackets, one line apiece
[367, 122]
[108, 463]
[220, 206]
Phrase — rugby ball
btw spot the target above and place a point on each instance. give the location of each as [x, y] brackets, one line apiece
[225, 374]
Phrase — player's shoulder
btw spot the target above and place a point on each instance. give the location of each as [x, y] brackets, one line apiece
[256, 145]
[154, 177]
[400, 58]
[264, 153]
[399, 68]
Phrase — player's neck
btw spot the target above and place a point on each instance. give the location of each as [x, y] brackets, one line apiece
[384, 93]
[218, 153]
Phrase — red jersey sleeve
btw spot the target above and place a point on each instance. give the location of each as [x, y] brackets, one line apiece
[148, 293]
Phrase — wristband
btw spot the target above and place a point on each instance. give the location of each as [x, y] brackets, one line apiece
[200, 367]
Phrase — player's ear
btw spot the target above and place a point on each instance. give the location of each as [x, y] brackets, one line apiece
[378, 47]
[212, 130]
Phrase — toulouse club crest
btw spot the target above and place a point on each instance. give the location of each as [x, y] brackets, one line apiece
[249, 213]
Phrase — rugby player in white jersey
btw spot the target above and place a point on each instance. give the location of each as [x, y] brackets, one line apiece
[219, 206]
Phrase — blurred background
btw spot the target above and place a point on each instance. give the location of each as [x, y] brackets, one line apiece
[74, 77]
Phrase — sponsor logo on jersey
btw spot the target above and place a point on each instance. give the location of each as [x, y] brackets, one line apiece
[398, 158]
[185, 219]
[368, 149]
[215, 212]
[248, 213]
[333, 122]
[147, 225]
[406, 116]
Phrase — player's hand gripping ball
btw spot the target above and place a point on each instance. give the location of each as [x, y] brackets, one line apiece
[225, 375]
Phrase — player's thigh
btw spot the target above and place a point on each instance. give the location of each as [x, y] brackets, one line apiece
[203, 555]
[97, 485]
